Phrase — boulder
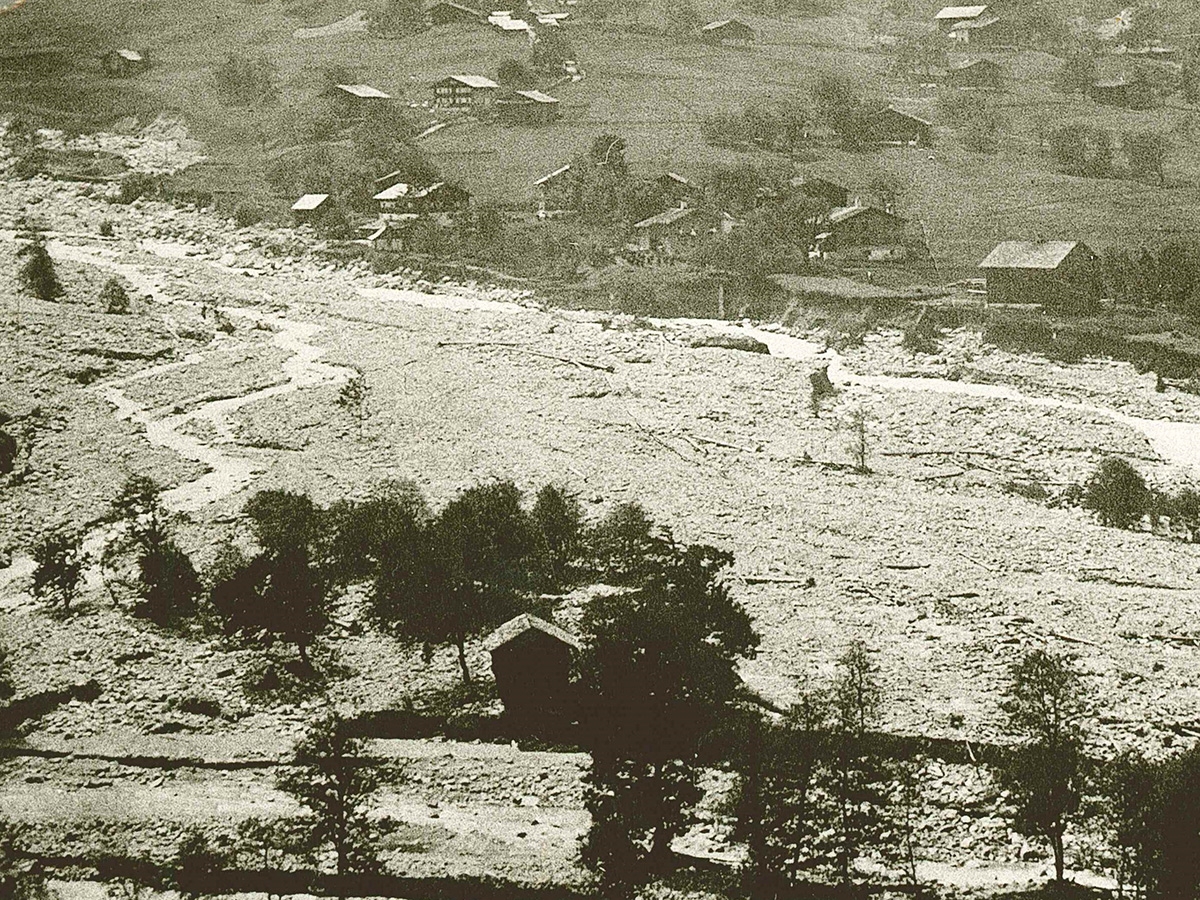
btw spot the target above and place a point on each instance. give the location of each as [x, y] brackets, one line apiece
[732, 342]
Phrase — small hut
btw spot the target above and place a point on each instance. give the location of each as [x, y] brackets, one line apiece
[124, 63]
[531, 662]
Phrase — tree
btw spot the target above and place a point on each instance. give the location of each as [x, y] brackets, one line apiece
[332, 779]
[396, 18]
[37, 274]
[557, 520]
[1146, 152]
[114, 297]
[246, 80]
[1078, 73]
[858, 446]
[353, 398]
[59, 560]
[1117, 493]
[515, 75]
[1047, 769]
[166, 585]
[283, 591]
[196, 859]
[21, 878]
[551, 49]
[660, 676]
[626, 546]
[454, 576]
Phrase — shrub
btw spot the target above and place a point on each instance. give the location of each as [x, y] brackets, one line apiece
[114, 297]
[245, 80]
[1117, 493]
[106, 228]
[59, 563]
[246, 214]
[139, 184]
[37, 274]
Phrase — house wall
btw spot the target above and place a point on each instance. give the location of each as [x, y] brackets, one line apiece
[1075, 285]
[533, 674]
[871, 228]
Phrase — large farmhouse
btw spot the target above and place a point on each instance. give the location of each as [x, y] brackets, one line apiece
[439, 197]
[465, 92]
[866, 232]
[1064, 274]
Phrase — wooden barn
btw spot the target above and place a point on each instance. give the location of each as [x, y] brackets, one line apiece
[863, 232]
[980, 74]
[531, 662]
[397, 234]
[727, 33]
[669, 233]
[675, 190]
[894, 126]
[353, 99]
[528, 108]
[309, 208]
[472, 92]
[949, 17]
[447, 13]
[1060, 274]
[440, 197]
[830, 192]
[553, 191]
[124, 63]
[988, 32]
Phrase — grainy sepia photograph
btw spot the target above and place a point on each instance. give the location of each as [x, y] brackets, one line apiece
[599, 450]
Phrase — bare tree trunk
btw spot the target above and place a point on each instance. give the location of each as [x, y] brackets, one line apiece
[462, 660]
[1056, 841]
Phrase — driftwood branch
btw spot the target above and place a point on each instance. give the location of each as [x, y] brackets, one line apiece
[521, 348]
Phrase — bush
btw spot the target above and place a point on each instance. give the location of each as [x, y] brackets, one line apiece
[244, 80]
[59, 568]
[106, 228]
[246, 214]
[1117, 493]
[114, 297]
[139, 184]
[37, 274]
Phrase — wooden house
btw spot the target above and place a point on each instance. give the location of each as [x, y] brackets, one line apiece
[449, 13]
[862, 232]
[1060, 274]
[472, 92]
[354, 99]
[670, 233]
[402, 198]
[396, 234]
[949, 17]
[980, 74]
[527, 108]
[894, 126]
[727, 33]
[124, 63]
[830, 192]
[553, 191]
[675, 190]
[532, 661]
[988, 32]
[309, 208]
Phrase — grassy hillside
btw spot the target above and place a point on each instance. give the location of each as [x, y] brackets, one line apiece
[653, 92]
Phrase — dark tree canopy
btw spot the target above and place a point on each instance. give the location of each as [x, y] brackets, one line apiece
[37, 274]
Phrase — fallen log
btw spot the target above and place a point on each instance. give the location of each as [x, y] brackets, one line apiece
[771, 579]
[521, 348]
[1185, 639]
[717, 443]
[1130, 582]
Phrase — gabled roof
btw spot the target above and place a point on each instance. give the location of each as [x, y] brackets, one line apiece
[965, 65]
[677, 178]
[473, 81]
[667, 217]
[1114, 81]
[984, 21]
[130, 55]
[523, 623]
[457, 6]
[843, 213]
[309, 202]
[557, 173]
[724, 23]
[505, 22]
[1029, 254]
[909, 115]
[365, 91]
[400, 189]
[960, 12]
[536, 96]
